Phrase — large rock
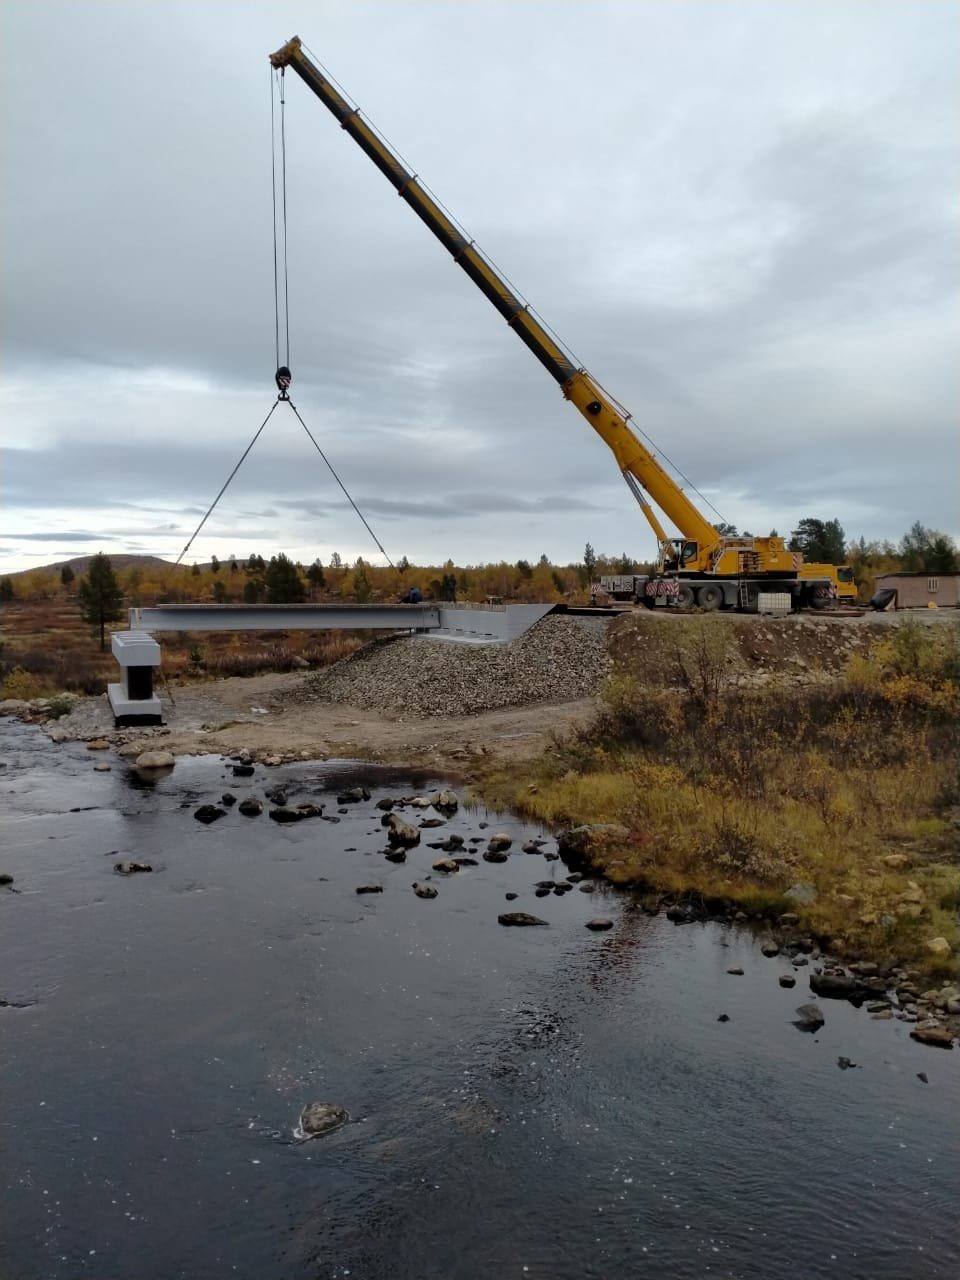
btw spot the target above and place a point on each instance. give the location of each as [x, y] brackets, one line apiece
[155, 760]
[499, 843]
[424, 890]
[446, 802]
[836, 986]
[14, 707]
[494, 855]
[446, 865]
[208, 813]
[938, 947]
[400, 833]
[251, 807]
[519, 918]
[809, 1017]
[353, 795]
[586, 844]
[283, 813]
[942, 1037]
[803, 894]
[318, 1118]
[129, 868]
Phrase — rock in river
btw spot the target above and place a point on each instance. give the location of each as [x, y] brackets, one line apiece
[208, 813]
[809, 1017]
[494, 855]
[130, 868]
[155, 760]
[447, 865]
[599, 924]
[284, 814]
[400, 832]
[836, 986]
[519, 918]
[228, 799]
[318, 1118]
[499, 843]
[424, 890]
[940, 1036]
[787, 980]
[369, 888]
[243, 770]
[446, 802]
[251, 807]
[353, 795]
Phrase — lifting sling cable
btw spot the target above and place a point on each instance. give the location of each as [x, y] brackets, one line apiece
[283, 371]
[226, 482]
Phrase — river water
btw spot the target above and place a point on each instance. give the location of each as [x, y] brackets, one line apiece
[541, 1103]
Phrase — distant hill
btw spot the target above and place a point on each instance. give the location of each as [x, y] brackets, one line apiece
[80, 564]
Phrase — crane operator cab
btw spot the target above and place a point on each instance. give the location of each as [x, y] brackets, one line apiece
[679, 554]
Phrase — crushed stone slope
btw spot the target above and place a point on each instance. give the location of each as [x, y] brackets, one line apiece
[558, 660]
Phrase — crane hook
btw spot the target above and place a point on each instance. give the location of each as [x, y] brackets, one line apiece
[284, 377]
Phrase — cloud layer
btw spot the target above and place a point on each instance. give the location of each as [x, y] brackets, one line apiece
[739, 216]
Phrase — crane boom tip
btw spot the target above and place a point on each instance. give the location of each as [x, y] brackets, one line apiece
[286, 53]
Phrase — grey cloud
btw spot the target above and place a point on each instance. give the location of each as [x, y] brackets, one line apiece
[766, 277]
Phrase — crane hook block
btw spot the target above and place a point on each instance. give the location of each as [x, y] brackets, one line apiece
[284, 378]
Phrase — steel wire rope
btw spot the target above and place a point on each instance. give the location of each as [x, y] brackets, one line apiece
[343, 487]
[507, 280]
[226, 482]
[273, 192]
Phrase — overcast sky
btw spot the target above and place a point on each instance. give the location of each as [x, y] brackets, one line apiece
[741, 216]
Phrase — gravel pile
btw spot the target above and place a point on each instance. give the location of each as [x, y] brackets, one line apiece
[559, 660]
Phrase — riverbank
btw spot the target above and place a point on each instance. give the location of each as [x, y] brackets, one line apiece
[834, 805]
[801, 766]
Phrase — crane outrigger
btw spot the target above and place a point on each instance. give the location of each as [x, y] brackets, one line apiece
[700, 567]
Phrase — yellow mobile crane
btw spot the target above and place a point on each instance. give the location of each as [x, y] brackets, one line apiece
[701, 566]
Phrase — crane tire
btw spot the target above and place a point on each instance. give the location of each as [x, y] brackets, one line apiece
[685, 596]
[710, 596]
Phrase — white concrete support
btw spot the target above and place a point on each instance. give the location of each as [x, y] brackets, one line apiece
[133, 699]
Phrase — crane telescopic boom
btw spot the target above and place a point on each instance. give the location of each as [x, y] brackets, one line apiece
[641, 470]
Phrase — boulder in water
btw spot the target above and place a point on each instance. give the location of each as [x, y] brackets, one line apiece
[130, 868]
[208, 813]
[251, 807]
[424, 890]
[519, 919]
[318, 1118]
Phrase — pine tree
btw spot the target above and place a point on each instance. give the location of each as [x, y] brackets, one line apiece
[316, 577]
[214, 564]
[7, 592]
[284, 584]
[66, 575]
[100, 597]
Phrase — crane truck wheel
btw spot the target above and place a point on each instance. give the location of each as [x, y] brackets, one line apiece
[710, 596]
[685, 596]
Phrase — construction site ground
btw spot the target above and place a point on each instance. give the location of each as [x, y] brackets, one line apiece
[414, 700]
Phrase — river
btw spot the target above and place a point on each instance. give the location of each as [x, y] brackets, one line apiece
[537, 1103]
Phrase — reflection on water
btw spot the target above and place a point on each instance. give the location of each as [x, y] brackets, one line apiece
[529, 1102]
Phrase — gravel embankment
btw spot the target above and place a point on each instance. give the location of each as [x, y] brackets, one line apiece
[559, 660]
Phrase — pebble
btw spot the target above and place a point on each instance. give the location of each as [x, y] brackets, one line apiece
[251, 807]
[424, 890]
[130, 868]
[723, 1017]
[787, 980]
[369, 888]
[101, 767]
[737, 973]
